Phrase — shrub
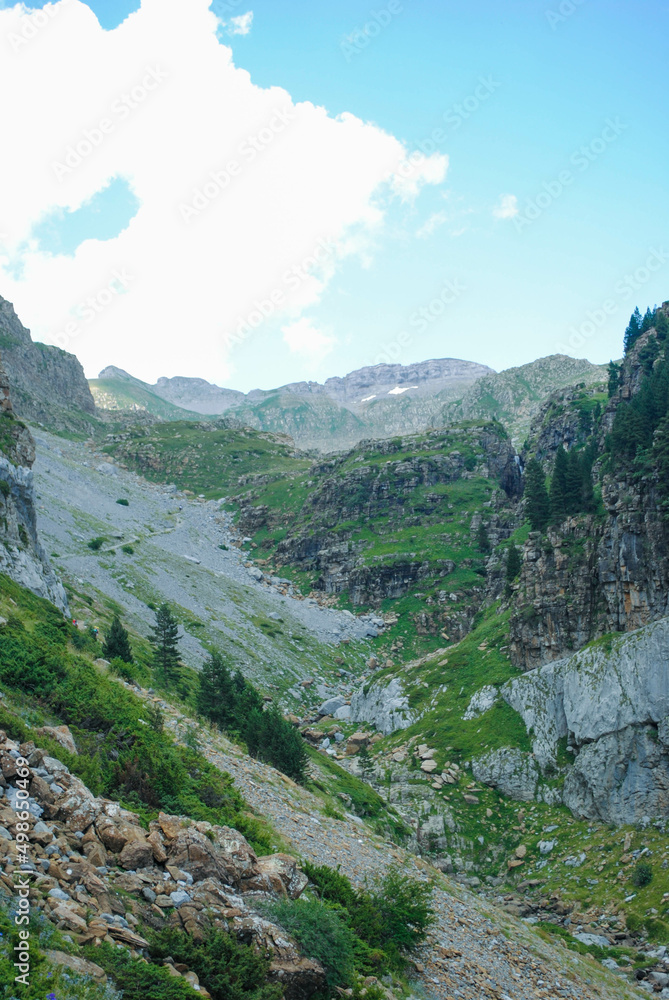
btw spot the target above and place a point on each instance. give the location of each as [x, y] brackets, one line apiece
[322, 933]
[117, 642]
[227, 969]
[139, 980]
[123, 502]
[128, 549]
[96, 543]
[642, 874]
[5, 488]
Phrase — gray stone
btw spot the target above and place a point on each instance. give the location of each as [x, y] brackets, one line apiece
[385, 705]
[180, 897]
[593, 939]
[512, 771]
[481, 702]
[59, 894]
[330, 706]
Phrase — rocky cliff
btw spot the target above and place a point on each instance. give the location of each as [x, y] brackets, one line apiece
[597, 573]
[21, 555]
[48, 385]
[611, 702]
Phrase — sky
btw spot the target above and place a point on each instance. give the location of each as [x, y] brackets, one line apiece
[264, 191]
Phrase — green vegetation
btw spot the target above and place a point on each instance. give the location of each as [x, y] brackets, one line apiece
[537, 502]
[368, 931]
[121, 755]
[117, 642]
[96, 543]
[165, 641]
[237, 708]
[227, 969]
[642, 875]
[123, 502]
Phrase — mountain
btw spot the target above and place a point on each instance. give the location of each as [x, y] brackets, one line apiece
[380, 401]
[115, 389]
[48, 384]
[515, 395]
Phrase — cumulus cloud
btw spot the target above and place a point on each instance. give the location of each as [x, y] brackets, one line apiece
[241, 25]
[249, 202]
[306, 339]
[507, 207]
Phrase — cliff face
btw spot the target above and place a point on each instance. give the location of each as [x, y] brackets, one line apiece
[611, 701]
[600, 573]
[21, 556]
[48, 385]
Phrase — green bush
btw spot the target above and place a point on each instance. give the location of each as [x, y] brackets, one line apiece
[322, 933]
[390, 918]
[642, 874]
[5, 488]
[128, 549]
[140, 980]
[96, 543]
[227, 969]
[123, 502]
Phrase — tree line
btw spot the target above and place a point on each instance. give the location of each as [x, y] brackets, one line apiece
[223, 697]
[568, 492]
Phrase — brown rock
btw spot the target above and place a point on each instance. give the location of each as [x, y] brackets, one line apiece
[78, 965]
[136, 854]
[62, 736]
[278, 873]
[159, 853]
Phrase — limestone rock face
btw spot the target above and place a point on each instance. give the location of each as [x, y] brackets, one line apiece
[384, 705]
[48, 384]
[611, 700]
[511, 771]
[21, 556]
[631, 766]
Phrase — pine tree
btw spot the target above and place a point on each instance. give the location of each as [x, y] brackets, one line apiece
[537, 503]
[365, 762]
[165, 641]
[482, 540]
[216, 696]
[513, 564]
[633, 331]
[661, 324]
[271, 738]
[573, 484]
[558, 488]
[648, 319]
[614, 378]
[117, 643]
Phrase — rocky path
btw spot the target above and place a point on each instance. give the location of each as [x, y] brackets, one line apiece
[475, 951]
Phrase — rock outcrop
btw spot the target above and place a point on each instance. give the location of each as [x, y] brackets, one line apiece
[610, 702]
[21, 556]
[48, 385]
[100, 874]
[383, 704]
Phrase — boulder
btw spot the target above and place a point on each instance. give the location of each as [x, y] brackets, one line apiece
[61, 734]
[78, 965]
[136, 854]
[280, 874]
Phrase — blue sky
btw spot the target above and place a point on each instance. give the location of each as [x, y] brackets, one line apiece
[567, 104]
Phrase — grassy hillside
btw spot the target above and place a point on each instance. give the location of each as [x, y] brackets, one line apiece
[131, 394]
[514, 396]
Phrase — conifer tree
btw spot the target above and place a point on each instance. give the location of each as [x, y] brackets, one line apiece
[513, 564]
[558, 487]
[573, 484]
[482, 540]
[537, 503]
[633, 331]
[165, 641]
[614, 378]
[117, 643]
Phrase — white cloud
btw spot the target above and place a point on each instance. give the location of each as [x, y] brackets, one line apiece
[302, 337]
[241, 25]
[266, 183]
[430, 225]
[507, 207]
